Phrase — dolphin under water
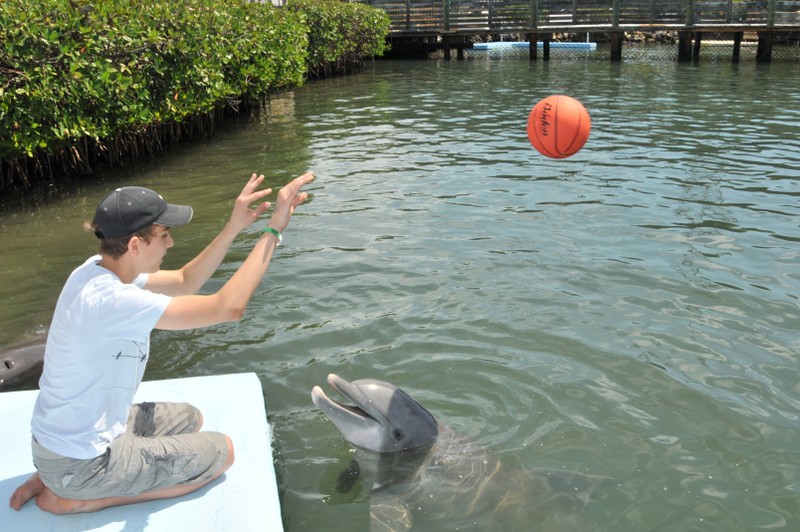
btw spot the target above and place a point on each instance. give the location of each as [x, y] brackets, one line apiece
[427, 476]
[20, 364]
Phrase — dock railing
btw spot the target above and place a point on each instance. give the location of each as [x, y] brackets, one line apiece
[509, 16]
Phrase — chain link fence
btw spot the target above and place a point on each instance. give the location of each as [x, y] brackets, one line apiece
[659, 46]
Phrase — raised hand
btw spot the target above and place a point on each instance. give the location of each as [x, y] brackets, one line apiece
[244, 213]
[289, 197]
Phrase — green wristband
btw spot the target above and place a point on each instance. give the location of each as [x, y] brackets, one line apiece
[274, 232]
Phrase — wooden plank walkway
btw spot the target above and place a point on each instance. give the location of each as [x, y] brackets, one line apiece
[410, 17]
[452, 24]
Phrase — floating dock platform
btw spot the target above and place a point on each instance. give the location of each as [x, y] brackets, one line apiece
[495, 46]
[244, 498]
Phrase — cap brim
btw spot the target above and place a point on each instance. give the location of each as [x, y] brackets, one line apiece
[175, 216]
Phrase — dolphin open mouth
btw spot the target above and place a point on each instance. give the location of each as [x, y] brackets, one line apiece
[357, 414]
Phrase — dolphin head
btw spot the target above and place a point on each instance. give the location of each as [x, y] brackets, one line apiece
[382, 418]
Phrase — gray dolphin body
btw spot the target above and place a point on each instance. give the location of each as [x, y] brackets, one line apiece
[20, 364]
[429, 477]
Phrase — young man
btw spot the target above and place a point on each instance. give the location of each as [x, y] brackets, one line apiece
[91, 447]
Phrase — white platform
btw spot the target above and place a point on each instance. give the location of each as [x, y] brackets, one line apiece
[245, 498]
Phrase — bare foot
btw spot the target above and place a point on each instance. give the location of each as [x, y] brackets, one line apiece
[50, 502]
[32, 487]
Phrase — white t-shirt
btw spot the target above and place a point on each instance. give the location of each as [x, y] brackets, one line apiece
[96, 353]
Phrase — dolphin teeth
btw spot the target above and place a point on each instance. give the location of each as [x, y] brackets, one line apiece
[319, 396]
[352, 408]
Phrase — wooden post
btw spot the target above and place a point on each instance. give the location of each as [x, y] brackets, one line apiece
[764, 50]
[697, 38]
[771, 16]
[532, 40]
[685, 37]
[684, 46]
[533, 21]
[546, 46]
[616, 46]
[737, 45]
[616, 36]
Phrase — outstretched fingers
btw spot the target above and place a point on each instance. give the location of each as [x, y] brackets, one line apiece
[291, 191]
[289, 197]
[250, 192]
[299, 198]
[243, 214]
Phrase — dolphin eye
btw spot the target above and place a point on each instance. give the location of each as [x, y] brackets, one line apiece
[397, 434]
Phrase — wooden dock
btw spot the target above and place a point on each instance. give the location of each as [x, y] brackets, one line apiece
[454, 24]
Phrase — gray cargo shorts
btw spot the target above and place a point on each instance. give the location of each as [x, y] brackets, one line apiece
[158, 450]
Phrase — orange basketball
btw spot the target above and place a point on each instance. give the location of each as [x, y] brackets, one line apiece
[558, 126]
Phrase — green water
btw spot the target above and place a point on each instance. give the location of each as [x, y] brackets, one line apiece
[630, 312]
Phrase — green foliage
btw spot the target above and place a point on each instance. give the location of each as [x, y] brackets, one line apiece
[341, 34]
[77, 69]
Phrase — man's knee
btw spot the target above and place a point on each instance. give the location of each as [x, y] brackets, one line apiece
[231, 455]
[229, 458]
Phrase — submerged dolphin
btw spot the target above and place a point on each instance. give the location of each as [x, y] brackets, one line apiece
[20, 364]
[426, 472]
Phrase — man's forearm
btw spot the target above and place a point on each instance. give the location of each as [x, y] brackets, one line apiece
[200, 269]
[230, 302]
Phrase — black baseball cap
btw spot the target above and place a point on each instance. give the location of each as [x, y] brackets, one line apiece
[128, 210]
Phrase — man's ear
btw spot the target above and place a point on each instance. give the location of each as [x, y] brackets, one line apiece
[134, 246]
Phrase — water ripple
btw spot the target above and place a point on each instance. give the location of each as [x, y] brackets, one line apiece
[630, 312]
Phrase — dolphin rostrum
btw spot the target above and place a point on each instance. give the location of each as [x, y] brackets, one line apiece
[428, 475]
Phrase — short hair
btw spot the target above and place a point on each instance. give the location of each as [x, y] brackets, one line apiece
[117, 247]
